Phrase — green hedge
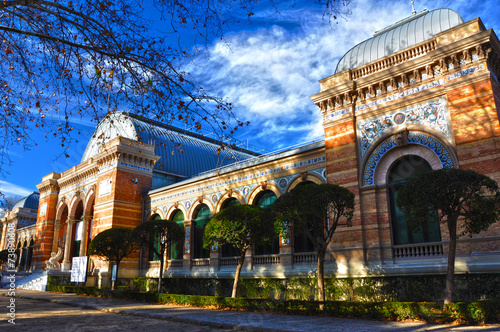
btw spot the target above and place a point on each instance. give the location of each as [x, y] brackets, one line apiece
[468, 287]
[484, 311]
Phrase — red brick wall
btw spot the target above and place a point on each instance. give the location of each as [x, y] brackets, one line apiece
[476, 126]
[44, 230]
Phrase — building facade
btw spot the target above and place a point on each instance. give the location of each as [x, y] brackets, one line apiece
[421, 94]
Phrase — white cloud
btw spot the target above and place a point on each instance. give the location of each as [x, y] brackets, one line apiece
[269, 73]
[8, 188]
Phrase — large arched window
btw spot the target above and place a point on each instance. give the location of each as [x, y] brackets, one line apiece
[177, 248]
[265, 200]
[200, 221]
[402, 170]
[153, 256]
[228, 249]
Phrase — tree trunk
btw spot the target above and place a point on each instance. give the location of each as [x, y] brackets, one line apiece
[450, 273]
[237, 275]
[161, 272]
[321, 275]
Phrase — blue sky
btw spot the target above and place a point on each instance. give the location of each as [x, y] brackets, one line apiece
[268, 68]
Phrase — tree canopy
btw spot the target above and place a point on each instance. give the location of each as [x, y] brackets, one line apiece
[316, 210]
[242, 226]
[66, 60]
[114, 244]
[464, 199]
[159, 235]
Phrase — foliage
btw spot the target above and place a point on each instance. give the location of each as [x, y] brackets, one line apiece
[114, 244]
[62, 61]
[455, 194]
[4, 257]
[317, 211]
[479, 312]
[166, 231]
[241, 226]
[7, 203]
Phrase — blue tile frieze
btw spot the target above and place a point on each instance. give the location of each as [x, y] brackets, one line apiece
[408, 92]
[432, 114]
[413, 138]
[222, 184]
[245, 190]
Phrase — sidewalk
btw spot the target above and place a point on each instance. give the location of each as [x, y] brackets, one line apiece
[237, 320]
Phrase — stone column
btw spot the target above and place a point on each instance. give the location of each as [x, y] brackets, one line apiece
[286, 252]
[83, 244]
[4, 234]
[66, 265]
[215, 254]
[188, 225]
[55, 239]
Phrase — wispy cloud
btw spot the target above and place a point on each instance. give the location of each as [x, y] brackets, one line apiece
[269, 73]
[8, 188]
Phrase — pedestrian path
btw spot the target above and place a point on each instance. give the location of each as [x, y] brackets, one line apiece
[238, 320]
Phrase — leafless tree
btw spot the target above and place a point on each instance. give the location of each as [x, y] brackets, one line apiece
[60, 60]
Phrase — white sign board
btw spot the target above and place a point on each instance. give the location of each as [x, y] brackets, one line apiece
[105, 187]
[79, 269]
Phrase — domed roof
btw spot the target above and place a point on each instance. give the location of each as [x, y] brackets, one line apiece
[403, 34]
[182, 153]
[28, 202]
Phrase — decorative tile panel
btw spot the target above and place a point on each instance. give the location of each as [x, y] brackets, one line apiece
[413, 138]
[432, 114]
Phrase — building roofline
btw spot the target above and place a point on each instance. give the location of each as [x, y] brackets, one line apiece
[261, 159]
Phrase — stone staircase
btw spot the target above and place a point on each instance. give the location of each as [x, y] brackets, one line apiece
[34, 281]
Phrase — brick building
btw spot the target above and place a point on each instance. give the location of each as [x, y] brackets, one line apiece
[421, 94]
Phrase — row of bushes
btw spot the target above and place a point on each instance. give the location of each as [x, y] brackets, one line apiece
[484, 311]
[468, 287]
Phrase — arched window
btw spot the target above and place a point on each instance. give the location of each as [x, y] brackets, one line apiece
[229, 250]
[29, 255]
[177, 248]
[301, 242]
[153, 256]
[77, 231]
[20, 256]
[401, 171]
[199, 223]
[265, 200]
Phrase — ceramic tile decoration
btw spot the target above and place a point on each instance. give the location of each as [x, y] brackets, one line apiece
[419, 138]
[432, 114]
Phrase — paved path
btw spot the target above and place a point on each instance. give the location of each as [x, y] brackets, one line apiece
[42, 316]
[237, 320]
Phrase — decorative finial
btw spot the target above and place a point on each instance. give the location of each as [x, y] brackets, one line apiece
[413, 8]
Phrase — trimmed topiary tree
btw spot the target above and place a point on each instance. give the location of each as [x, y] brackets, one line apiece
[241, 226]
[316, 210]
[114, 244]
[162, 232]
[454, 196]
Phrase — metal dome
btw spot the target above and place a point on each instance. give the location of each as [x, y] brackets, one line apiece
[28, 202]
[192, 153]
[403, 34]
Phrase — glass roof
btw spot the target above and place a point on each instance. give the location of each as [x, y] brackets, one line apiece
[28, 202]
[403, 34]
[182, 153]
